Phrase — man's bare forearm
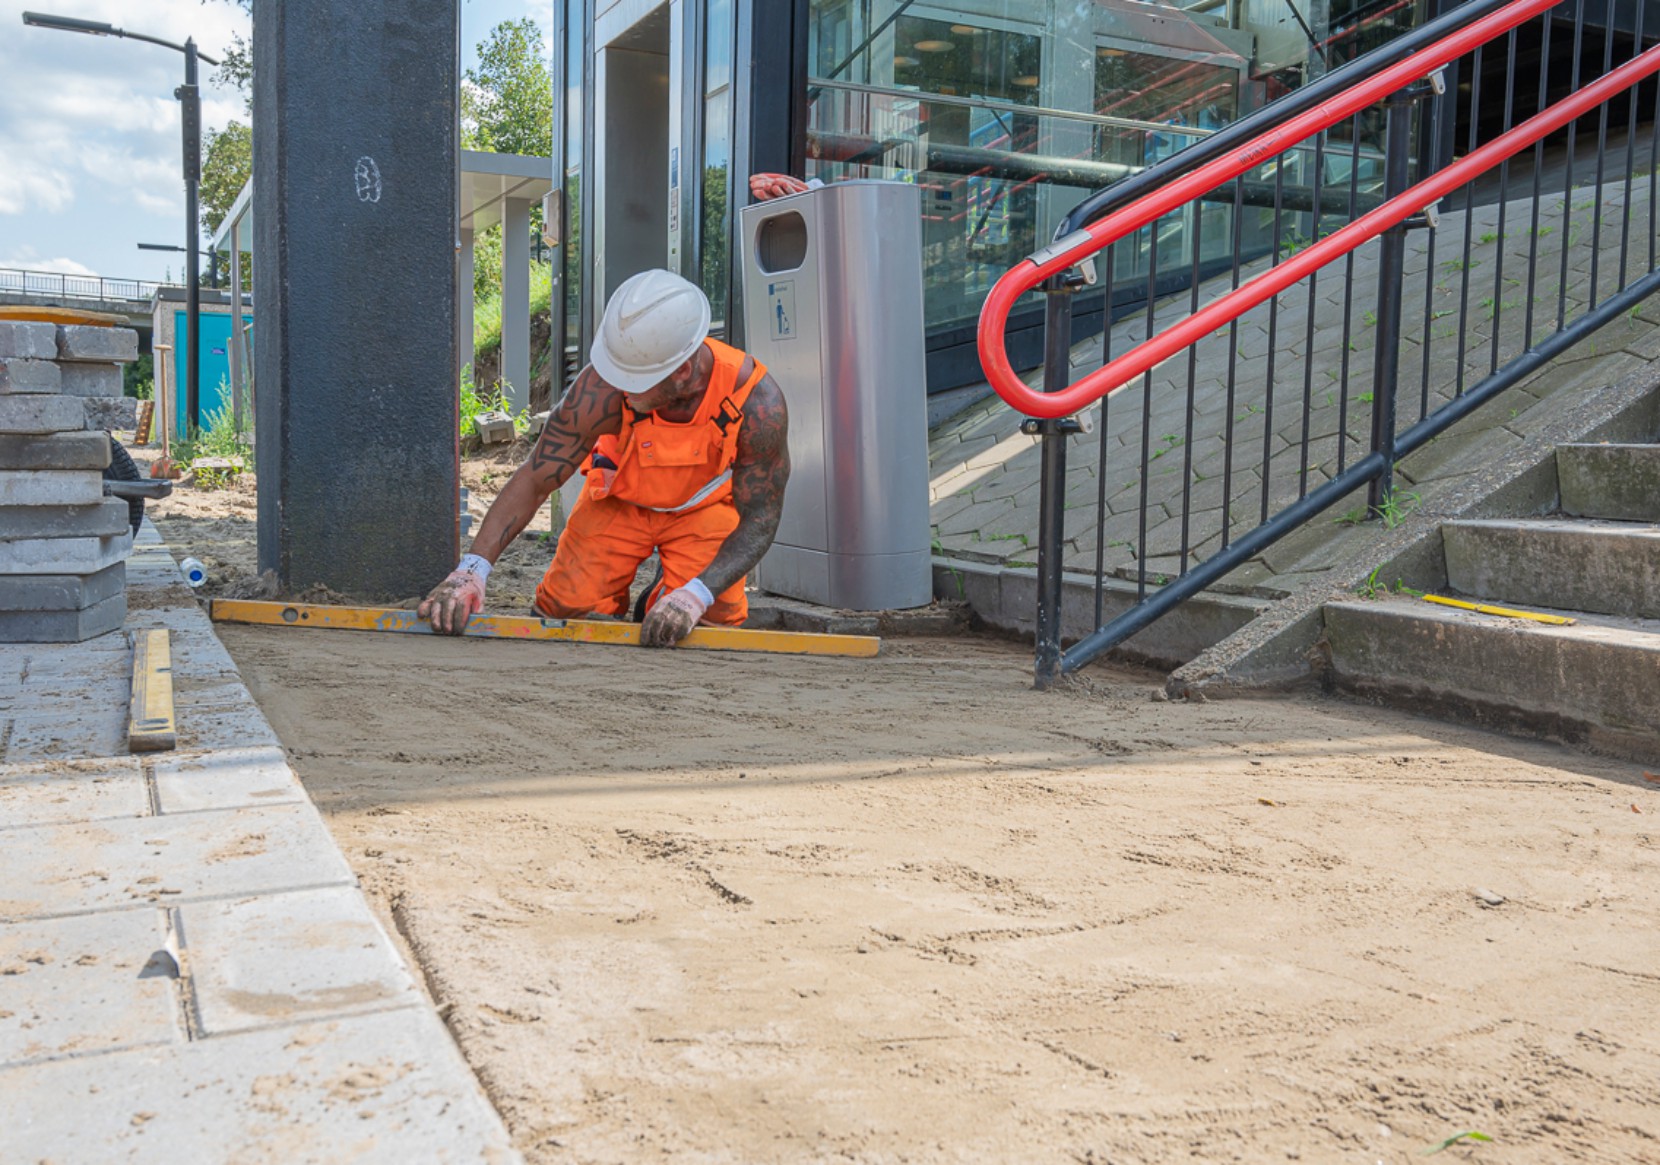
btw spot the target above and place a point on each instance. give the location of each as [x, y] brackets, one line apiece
[742, 550]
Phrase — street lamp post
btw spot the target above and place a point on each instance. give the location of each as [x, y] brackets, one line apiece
[189, 95]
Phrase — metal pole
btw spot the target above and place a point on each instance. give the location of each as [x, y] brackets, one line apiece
[190, 97]
[234, 348]
[1386, 358]
[1057, 369]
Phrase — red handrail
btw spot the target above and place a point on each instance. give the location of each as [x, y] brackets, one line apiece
[1099, 235]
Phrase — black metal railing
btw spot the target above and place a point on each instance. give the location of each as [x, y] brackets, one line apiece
[1212, 451]
[57, 285]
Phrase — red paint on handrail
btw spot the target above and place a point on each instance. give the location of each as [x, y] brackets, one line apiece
[991, 340]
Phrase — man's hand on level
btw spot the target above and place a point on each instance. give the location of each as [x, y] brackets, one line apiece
[458, 598]
[673, 616]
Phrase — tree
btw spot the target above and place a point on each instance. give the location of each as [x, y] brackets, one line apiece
[227, 161]
[507, 103]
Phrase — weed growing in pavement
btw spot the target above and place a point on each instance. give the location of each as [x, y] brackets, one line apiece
[1471, 1135]
[1395, 507]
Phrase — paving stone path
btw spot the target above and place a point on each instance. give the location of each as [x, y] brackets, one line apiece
[188, 970]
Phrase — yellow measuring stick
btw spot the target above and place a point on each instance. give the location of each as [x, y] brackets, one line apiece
[514, 627]
[151, 727]
[1485, 609]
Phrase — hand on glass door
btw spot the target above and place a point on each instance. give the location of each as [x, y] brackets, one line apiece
[766, 187]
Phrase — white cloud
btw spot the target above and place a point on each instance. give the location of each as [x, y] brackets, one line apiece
[28, 260]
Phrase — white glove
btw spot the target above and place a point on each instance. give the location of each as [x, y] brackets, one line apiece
[458, 598]
[674, 615]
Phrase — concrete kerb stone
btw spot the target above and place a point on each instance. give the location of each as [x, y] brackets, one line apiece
[91, 379]
[77, 342]
[26, 556]
[28, 341]
[1005, 599]
[54, 451]
[60, 592]
[66, 626]
[18, 376]
[87, 521]
[1281, 648]
[41, 413]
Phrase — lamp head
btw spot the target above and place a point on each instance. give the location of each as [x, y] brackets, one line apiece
[68, 24]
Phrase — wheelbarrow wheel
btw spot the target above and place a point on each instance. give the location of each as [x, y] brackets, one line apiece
[121, 468]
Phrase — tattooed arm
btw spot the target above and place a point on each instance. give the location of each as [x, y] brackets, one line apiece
[758, 478]
[587, 410]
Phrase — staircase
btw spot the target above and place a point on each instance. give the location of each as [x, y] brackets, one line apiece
[1595, 681]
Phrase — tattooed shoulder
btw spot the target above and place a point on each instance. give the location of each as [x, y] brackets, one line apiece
[588, 410]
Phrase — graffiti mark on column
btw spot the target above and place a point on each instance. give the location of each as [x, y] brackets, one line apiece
[367, 175]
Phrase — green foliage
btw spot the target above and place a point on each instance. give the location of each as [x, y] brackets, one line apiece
[487, 311]
[216, 438]
[1395, 507]
[227, 162]
[507, 104]
[1471, 1135]
[473, 403]
[138, 379]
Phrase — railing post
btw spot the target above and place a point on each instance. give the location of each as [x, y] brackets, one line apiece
[1057, 374]
[1386, 357]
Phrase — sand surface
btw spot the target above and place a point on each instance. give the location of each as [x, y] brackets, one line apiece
[713, 908]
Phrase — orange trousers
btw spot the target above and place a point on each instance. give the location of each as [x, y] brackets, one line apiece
[606, 540]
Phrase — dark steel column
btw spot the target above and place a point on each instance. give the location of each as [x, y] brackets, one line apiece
[355, 219]
[1386, 359]
[190, 98]
[1057, 374]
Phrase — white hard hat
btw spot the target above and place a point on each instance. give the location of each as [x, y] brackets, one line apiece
[655, 322]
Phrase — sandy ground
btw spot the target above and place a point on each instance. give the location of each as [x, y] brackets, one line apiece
[716, 908]
[696, 907]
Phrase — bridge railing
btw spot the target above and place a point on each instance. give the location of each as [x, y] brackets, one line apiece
[56, 284]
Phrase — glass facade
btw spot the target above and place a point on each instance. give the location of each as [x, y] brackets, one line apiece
[1009, 112]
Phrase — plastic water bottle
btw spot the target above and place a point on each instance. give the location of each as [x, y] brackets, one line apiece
[194, 572]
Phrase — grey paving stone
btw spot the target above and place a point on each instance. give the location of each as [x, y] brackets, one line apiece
[92, 379]
[69, 697]
[29, 376]
[60, 592]
[34, 556]
[50, 487]
[387, 1087]
[109, 412]
[63, 626]
[60, 792]
[289, 958]
[226, 778]
[54, 451]
[71, 869]
[48, 413]
[214, 727]
[99, 520]
[100, 345]
[76, 986]
[28, 341]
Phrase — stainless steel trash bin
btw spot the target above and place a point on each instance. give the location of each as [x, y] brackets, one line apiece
[833, 306]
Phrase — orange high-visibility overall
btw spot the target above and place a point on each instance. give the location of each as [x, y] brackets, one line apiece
[655, 485]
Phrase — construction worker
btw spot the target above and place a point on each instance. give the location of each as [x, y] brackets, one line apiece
[682, 440]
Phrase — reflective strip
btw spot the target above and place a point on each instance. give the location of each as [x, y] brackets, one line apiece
[699, 496]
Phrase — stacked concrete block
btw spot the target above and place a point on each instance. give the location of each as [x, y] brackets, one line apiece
[63, 545]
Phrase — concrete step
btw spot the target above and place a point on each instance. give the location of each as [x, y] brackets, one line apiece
[1596, 682]
[1621, 482]
[1604, 568]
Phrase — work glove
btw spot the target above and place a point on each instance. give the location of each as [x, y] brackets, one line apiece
[765, 187]
[458, 598]
[674, 615]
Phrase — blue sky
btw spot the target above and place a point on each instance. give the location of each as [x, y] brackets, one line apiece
[89, 129]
